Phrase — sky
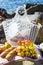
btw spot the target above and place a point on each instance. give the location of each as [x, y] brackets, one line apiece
[11, 5]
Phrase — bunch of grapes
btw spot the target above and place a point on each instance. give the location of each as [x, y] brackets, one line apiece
[26, 48]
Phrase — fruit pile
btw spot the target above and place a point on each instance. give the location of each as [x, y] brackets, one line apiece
[26, 48]
[4, 47]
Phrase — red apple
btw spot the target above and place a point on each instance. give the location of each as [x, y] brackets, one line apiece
[1, 51]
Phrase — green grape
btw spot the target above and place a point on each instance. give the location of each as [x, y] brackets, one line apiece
[23, 48]
[19, 47]
[21, 54]
[26, 48]
[31, 51]
[27, 53]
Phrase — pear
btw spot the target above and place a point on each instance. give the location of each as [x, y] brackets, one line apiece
[7, 45]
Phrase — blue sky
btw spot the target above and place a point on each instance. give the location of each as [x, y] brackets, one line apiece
[11, 5]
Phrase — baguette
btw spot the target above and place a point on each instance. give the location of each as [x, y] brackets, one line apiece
[11, 54]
